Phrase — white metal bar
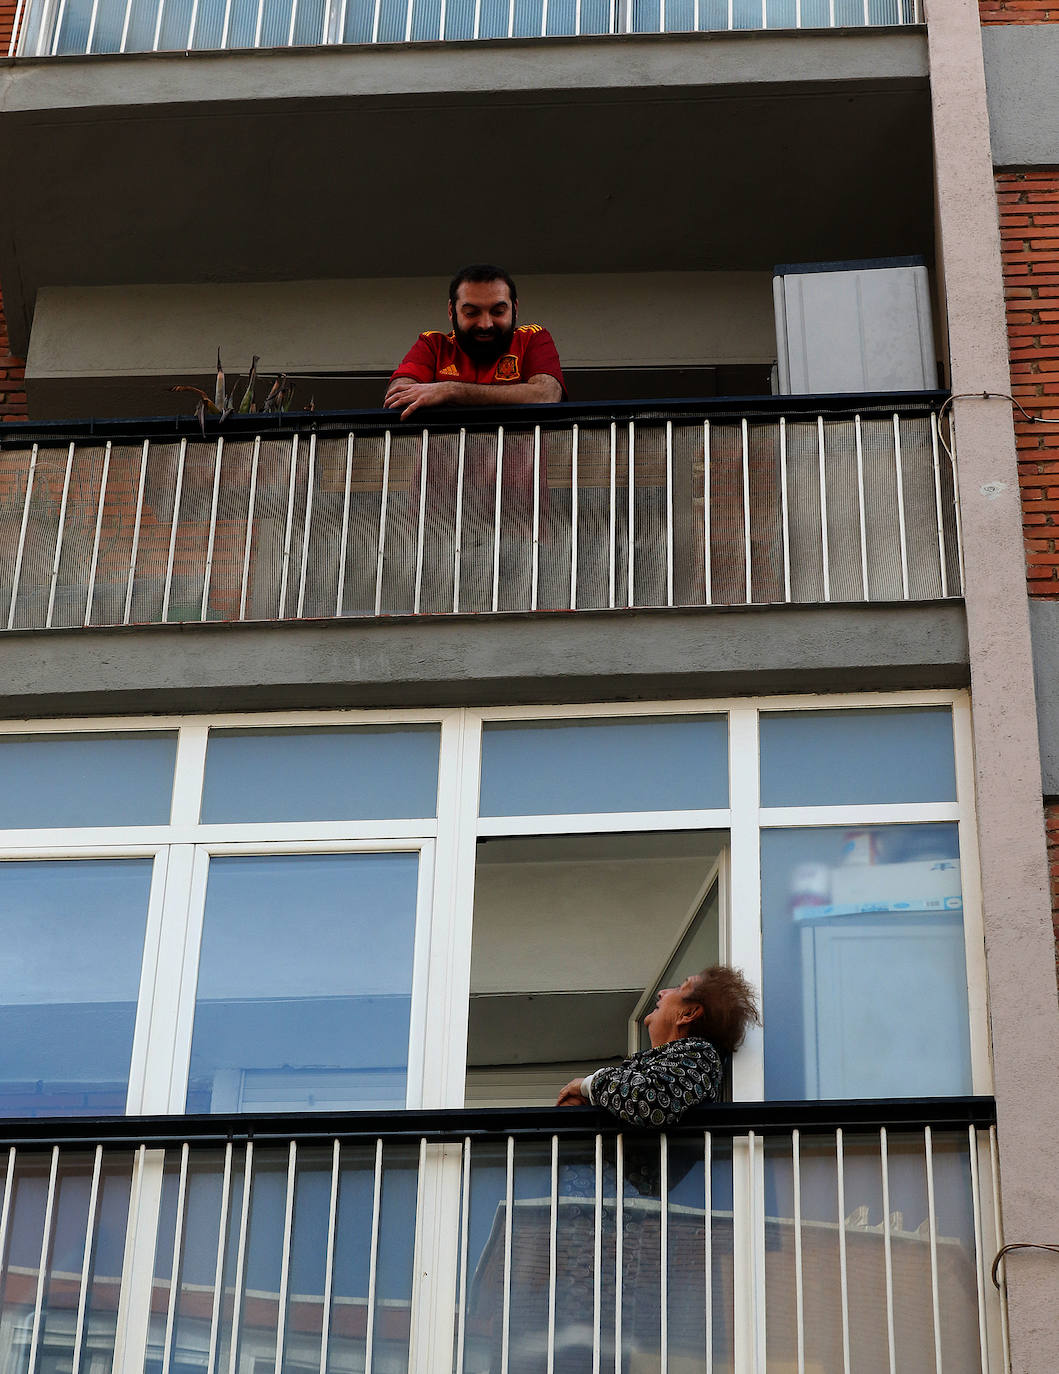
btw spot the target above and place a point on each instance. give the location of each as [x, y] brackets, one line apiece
[60, 534]
[630, 561]
[258, 25]
[158, 26]
[212, 537]
[613, 16]
[465, 1222]
[707, 1241]
[696, 17]
[577, 17]
[408, 21]
[662, 29]
[628, 29]
[227, 24]
[747, 551]
[597, 1259]
[509, 1195]
[478, 18]
[343, 543]
[669, 512]
[613, 504]
[382, 522]
[288, 532]
[956, 500]
[375, 21]
[240, 1259]
[553, 1249]
[5, 1206]
[421, 534]
[998, 1241]
[88, 48]
[861, 513]
[442, 16]
[544, 18]
[174, 1271]
[898, 473]
[218, 1268]
[979, 1252]
[98, 533]
[799, 1276]
[830, 13]
[56, 32]
[932, 1227]
[458, 530]
[86, 1261]
[884, 1165]
[510, 18]
[764, 14]
[284, 1273]
[707, 552]
[42, 1270]
[307, 523]
[329, 1261]
[16, 576]
[342, 22]
[373, 1260]
[785, 510]
[192, 25]
[824, 550]
[731, 14]
[136, 532]
[663, 1252]
[173, 531]
[293, 23]
[535, 553]
[14, 30]
[251, 498]
[574, 497]
[867, 16]
[797, 14]
[936, 459]
[840, 1174]
[496, 516]
[619, 1244]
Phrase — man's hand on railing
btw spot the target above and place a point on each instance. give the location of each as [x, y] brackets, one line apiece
[407, 395]
[571, 1095]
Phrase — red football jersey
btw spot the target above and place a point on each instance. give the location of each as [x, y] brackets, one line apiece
[435, 357]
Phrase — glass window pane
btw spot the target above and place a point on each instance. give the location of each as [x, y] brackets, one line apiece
[71, 946]
[305, 982]
[98, 779]
[349, 774]
[865, 985]
[661, 763]
[857, 758]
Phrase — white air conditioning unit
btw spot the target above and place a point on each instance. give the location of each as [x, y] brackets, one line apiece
[853, 326]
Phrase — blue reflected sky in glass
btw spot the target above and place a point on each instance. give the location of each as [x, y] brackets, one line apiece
[305, 978]
[61, 780]
[857, 758]
[889, 1017]
[348, 774]
[71, 947]
[661, 763]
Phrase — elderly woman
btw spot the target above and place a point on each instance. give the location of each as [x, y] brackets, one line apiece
[692, 1028]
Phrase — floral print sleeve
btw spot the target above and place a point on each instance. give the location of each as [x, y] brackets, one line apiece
[656, 1087]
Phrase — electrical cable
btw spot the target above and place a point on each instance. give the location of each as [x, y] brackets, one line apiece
[987, 396]
[1018, 1245]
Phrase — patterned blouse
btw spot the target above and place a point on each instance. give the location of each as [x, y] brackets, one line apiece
[657, 1086]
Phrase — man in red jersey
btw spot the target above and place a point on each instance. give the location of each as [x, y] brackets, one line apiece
[489, 359]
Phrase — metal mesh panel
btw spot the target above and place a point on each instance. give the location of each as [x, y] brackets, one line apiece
[516, 522]
[436, 579]
[42, 532]
[113, 537]
[882, 511]
[400, 552]
[478, 522]
[689, 578]
[82, 509]
[227, 558]
[594, 449]
[294, 526]
[804, 511]
[766, 516]
[650, 524]
[727, 530]
[186, 567]
[920, 506]
[272, 497]
[842, 493]
[164, 468]
[555, 546]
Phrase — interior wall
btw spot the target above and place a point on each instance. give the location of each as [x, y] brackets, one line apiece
[649, 319]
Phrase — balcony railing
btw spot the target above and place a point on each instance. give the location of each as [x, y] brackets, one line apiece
[815, 1236]
[46, 28]
[558, 509]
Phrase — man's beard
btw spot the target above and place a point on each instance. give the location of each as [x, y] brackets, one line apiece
[481, 350]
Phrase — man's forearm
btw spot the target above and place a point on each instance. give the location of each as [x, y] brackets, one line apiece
[542, 390]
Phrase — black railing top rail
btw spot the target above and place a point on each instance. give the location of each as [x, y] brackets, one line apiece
[175, 427]
[725, 1119]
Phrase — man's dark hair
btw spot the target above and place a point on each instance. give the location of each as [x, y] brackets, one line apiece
[481, 272]
[728, 1006]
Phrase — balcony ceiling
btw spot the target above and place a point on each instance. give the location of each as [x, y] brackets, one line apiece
[688, 153]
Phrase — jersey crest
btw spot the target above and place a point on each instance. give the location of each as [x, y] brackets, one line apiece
[507, 368]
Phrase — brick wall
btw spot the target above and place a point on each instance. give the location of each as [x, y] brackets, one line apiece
[7, 19]
[1018, 11]
[1029, 228]
[12, 377]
